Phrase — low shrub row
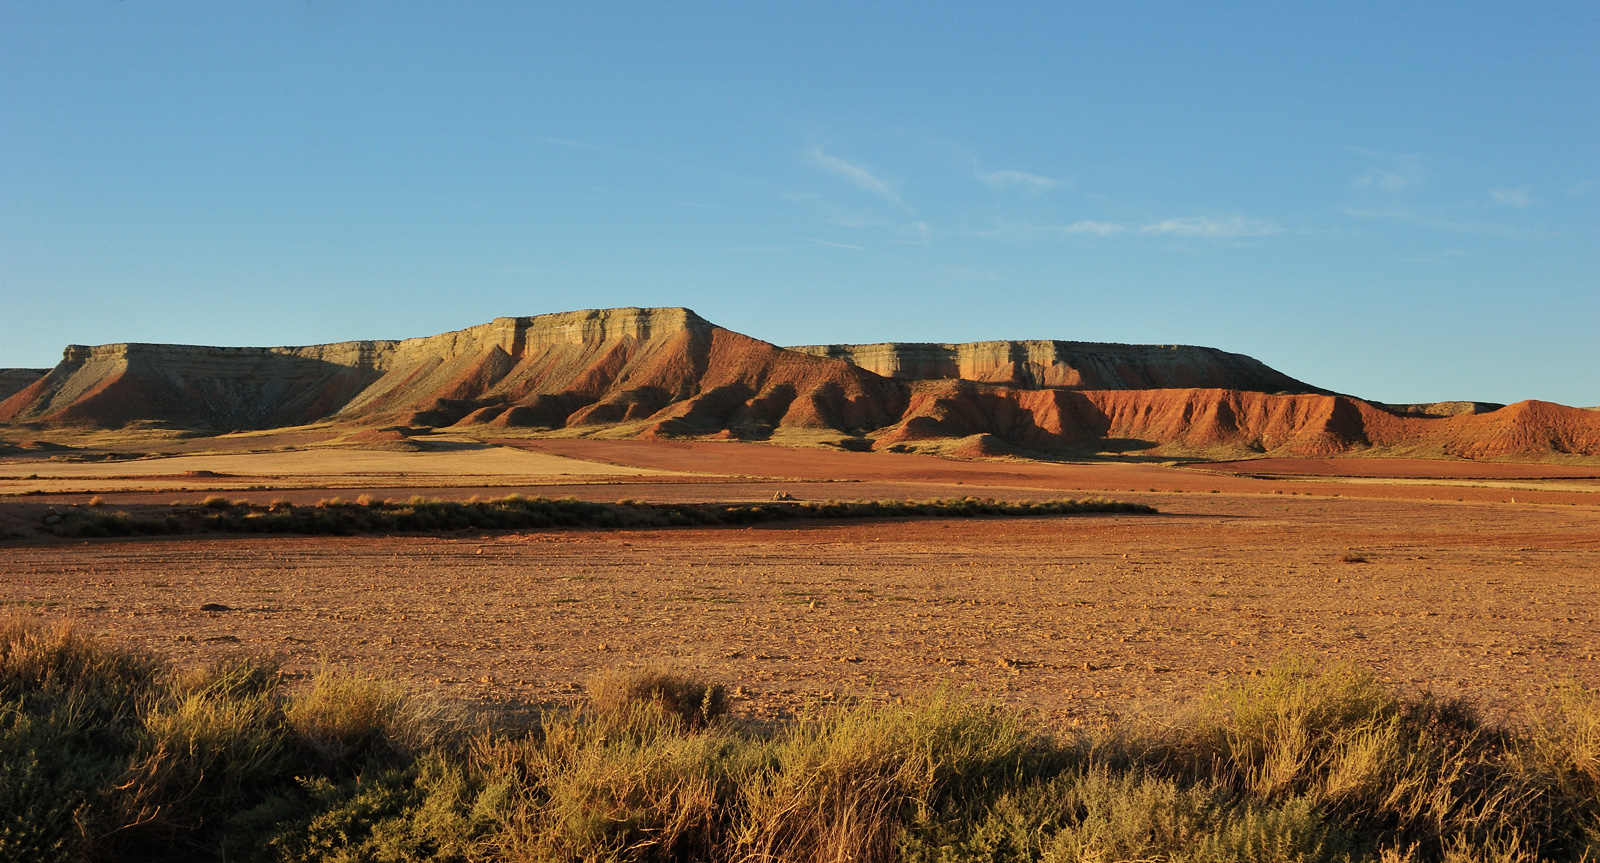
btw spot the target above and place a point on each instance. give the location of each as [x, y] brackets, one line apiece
[421, 515]
[107, 754]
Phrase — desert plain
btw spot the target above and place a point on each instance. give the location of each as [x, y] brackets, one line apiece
[1460, 578]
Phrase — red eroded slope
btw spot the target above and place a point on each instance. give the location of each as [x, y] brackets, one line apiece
[1525, 428]
[1194, 419]
[1203, 421]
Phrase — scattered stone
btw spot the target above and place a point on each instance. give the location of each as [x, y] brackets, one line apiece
[782, 495]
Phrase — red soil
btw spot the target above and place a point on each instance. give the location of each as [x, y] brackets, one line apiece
[1401, 468]
[1073, 616]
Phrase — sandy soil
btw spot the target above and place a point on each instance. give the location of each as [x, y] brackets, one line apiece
[1077, 617]
[454, 463]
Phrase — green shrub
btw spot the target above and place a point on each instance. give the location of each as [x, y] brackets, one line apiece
[79, 523]
[1099, 814]
[206, 747]
[51, 783]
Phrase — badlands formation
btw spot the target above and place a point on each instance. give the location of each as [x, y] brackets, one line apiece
[668, 373]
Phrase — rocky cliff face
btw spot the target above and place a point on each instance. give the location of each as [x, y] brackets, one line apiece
[1066, 365]
[667, 372]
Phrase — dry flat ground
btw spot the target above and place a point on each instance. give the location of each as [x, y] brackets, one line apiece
[1476, 582]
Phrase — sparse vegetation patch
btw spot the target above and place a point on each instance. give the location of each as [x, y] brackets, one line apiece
[422, 515]
[108, 753]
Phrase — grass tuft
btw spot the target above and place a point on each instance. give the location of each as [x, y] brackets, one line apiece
[694, 701]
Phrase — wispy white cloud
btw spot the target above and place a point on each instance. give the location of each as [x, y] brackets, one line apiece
[857, 174]
[1002, 180]
[1449, 256]
[1394, 174]
[1102, 229]
[1578, 190]
[1390, 192]
[1388, 182]
[1518, 198]
[1201, 226]
[974, 274]
[852, 248]
[920, 234]
[1409, 217]
[1185, 226]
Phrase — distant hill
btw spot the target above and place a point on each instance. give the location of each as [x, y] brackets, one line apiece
[667, 372]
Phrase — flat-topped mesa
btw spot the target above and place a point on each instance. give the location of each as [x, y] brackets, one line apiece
[17, 380]
[194, 386]
[1439, 409]
[1039, 364]
[665, 367]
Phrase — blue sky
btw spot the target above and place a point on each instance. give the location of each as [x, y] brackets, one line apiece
[1400, 203]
